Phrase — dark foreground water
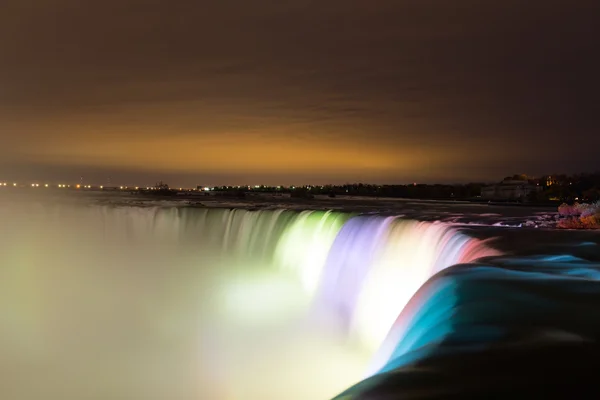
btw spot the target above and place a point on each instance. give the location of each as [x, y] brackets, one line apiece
[121, 298]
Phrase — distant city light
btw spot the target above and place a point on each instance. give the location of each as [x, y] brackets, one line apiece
[121, 187]
[46, 185]
[78, 186]
[206, 189]
[14, 184]
[101, 187]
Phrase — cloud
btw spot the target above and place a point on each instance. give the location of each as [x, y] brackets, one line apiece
[426, 88]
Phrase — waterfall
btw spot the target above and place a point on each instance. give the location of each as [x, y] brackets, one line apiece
[377, 264]
[105, 280]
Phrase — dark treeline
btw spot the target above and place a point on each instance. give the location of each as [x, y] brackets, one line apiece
[421, 191]
[568, 188]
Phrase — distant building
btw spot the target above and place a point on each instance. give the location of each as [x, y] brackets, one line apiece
[509, 189]
[551, 181]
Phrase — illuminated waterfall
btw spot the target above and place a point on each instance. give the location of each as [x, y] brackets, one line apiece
[156, 273]
[305, 244]
[376, 265]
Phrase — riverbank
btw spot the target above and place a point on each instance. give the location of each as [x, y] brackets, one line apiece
[579, 216]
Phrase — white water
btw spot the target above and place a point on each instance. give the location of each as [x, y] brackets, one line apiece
[145, 303]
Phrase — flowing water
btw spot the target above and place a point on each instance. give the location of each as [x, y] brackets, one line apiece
[104, 302]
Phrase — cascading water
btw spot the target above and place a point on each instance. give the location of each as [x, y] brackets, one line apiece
[377, 264]
[182, 303]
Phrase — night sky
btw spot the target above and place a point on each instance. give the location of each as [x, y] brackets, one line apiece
[297, 91]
